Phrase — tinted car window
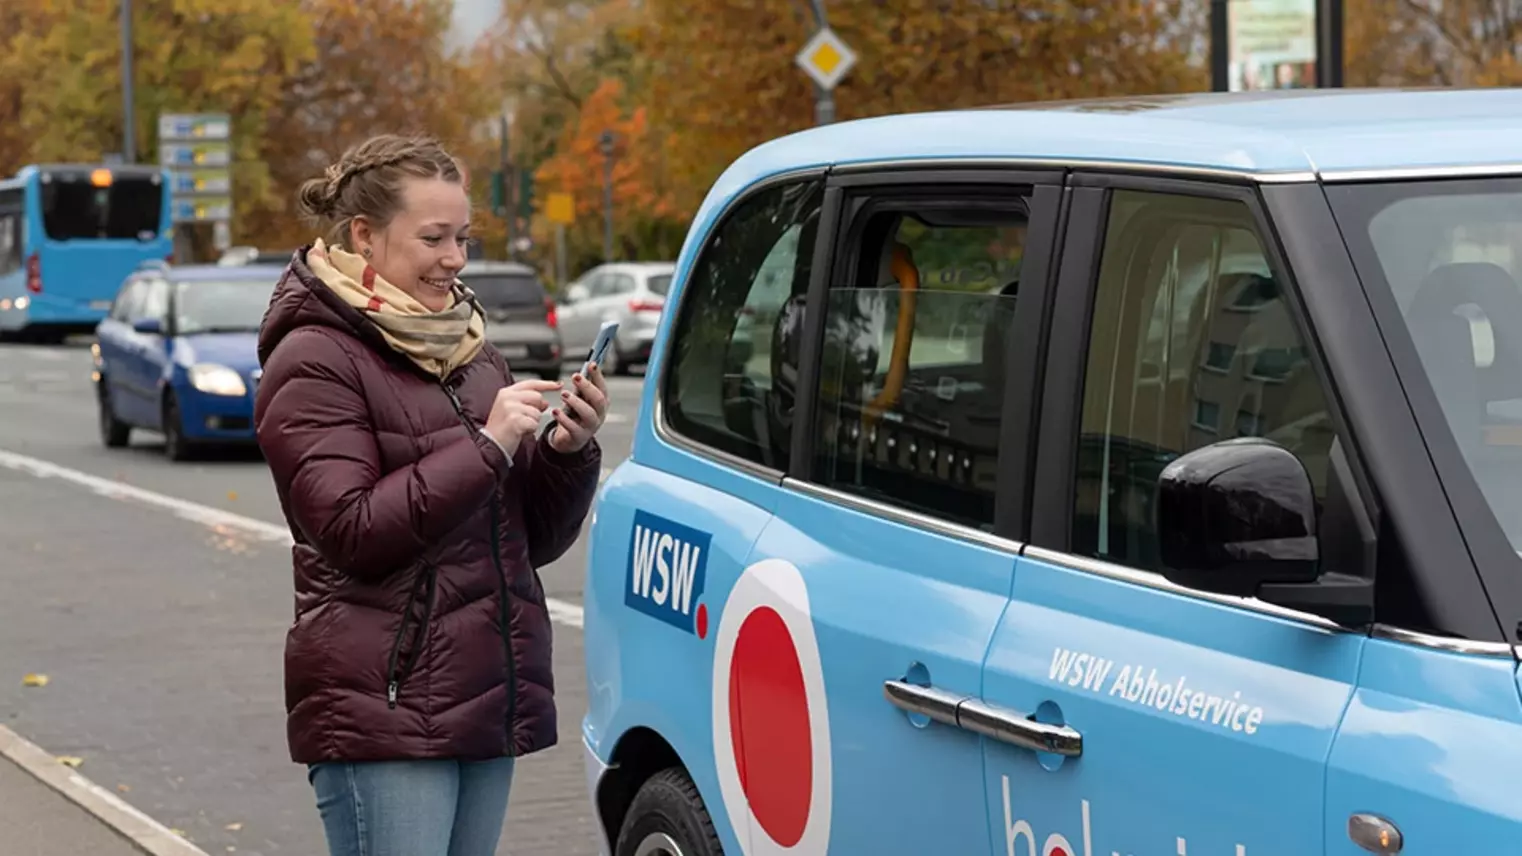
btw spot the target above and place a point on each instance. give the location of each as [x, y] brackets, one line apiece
[659, 284]
[503, 291]
[728, 387]
[912, 371]
[1450, 255]
[1191, 342]
[72, 207]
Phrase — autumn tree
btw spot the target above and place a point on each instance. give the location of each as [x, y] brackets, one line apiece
[721, 76]
[546, 58]
[64, 61]
[1432, 43]
[378, 66]
[301, 79]
[648, 222]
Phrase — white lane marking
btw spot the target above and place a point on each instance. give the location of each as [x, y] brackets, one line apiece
[562, 611]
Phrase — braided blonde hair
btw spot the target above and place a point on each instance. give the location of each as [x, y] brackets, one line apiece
[367, 182]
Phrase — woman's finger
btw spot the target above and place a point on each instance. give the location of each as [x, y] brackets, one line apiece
[597, 378]
[593, 396]
[576, 432]
[586, 414]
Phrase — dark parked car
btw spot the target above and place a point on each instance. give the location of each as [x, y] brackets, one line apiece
[520, 316]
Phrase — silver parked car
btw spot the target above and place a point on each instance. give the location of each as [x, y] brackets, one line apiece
[521, 319]
[631, 293]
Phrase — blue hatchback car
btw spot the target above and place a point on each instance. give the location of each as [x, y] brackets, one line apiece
[178, 355]
[1133, 476]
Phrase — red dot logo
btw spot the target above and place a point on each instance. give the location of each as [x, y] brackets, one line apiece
[770, 718]
[767, 682]
[702, 621]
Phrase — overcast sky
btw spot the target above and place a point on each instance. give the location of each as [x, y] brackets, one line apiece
[471, 17]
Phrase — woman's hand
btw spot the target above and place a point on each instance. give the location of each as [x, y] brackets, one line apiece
[583, 409]
[515, 412]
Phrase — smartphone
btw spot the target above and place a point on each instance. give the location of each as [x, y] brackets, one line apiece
[600, 347]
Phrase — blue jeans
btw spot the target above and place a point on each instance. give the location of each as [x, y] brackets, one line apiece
[412, 808]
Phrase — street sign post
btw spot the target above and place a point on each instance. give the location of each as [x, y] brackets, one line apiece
[826, 58]
[560, 209]
[196, 149]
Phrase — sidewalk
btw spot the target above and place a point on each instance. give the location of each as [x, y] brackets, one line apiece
[47, 809]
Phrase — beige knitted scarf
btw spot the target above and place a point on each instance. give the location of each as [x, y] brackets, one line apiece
[439, 342]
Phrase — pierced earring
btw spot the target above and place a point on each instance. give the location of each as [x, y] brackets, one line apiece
[365, 252]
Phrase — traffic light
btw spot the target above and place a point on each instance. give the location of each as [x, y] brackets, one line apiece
[525, 193]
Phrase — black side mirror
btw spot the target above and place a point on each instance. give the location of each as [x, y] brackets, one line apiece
[1237, 515]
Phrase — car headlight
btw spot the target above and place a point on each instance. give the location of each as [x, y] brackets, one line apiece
[216, 380]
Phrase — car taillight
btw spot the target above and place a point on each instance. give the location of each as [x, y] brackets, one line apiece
[645, 306]
[34, 274]
[550, 317]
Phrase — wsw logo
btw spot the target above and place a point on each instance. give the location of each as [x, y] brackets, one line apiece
[667, 569]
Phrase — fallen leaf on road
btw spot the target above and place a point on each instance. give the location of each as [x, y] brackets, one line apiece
[232, 496]
[179, 832]
[233, 827]
[124, 788]
[34, 680]
[70, 761]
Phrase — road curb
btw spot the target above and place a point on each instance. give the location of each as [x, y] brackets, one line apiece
[147, 834]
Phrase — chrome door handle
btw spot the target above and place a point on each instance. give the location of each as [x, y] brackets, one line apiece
[976, 715]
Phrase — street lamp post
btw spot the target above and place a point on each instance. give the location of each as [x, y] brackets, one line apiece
[129, 129]
[606, 144]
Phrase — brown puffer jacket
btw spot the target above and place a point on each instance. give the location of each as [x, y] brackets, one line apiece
[415, 542]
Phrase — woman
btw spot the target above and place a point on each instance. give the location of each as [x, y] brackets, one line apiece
[420, 500]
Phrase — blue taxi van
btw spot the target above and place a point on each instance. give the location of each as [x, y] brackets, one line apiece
[1139, 476]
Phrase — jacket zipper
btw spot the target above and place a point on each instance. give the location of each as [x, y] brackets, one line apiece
[425, 581]
[504, 621]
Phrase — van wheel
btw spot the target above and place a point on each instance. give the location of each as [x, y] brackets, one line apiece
[667, 818]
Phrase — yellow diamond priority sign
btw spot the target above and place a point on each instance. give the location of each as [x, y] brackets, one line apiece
[826, 58]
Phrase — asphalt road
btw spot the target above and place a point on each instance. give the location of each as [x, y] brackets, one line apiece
[161, 631]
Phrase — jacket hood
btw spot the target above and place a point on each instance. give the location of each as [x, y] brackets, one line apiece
[303, 300]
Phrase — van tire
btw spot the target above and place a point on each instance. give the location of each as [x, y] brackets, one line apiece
[668, 808]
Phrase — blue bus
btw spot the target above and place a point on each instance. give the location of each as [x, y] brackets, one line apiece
[69, 235]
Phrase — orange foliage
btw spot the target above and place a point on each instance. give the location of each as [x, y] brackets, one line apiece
[640, 191]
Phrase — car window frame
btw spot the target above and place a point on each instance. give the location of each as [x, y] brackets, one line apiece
[1061, 405]
[661, 376]
[854, 188]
